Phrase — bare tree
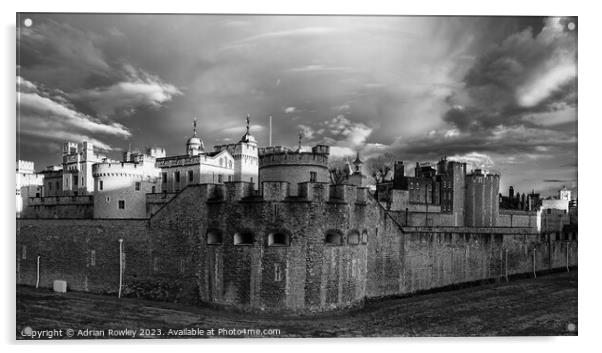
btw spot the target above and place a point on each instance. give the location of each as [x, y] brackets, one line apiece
[336, 167]
[337, 176]
[380, 167]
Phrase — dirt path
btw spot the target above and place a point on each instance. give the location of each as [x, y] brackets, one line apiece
[543, 306]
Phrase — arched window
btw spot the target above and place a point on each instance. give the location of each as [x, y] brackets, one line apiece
[333, 237]
[353, 237]
[244, 238]
[279, 238]
[214, 237]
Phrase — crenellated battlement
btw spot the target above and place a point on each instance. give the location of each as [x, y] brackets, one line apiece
[280, 191]
[25, 166]
[125, 169]
[61, 200]
[293, 158]
[317, 192]
[238, 190]
[343, 193]
[275, 190]
[282, 164]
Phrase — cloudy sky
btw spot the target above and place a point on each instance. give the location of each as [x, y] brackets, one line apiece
[497, 92]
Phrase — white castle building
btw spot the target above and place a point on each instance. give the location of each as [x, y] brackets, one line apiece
[121, 189]
[29, 184]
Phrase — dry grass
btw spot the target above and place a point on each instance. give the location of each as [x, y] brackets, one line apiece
[542, 306]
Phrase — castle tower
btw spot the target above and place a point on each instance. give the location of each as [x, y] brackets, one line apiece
[245, 154]
[194, 145]
[453, 174]
[246, 161]
[120, 188]
[481, 202]
[86, 185]
[293, 166]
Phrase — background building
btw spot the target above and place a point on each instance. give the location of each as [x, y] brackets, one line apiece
[482, 204]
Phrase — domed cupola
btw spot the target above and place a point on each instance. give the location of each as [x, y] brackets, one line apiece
[194, 145]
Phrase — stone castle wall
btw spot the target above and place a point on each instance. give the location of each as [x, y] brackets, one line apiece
[59, 207]
[215, 244]
[516, 218]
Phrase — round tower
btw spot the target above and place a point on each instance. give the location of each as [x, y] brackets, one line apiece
[120, 189]
[282, 164]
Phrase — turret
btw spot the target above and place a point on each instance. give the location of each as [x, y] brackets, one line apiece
[194, 145]
[358, 163]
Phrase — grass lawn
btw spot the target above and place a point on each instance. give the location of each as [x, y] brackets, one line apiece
[543, 306]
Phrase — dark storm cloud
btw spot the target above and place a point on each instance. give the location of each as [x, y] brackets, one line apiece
[72, 60]
[499, 91]
[70, 89]
[518, 97]
[526, 73]
[59, 54]
[47, 115]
